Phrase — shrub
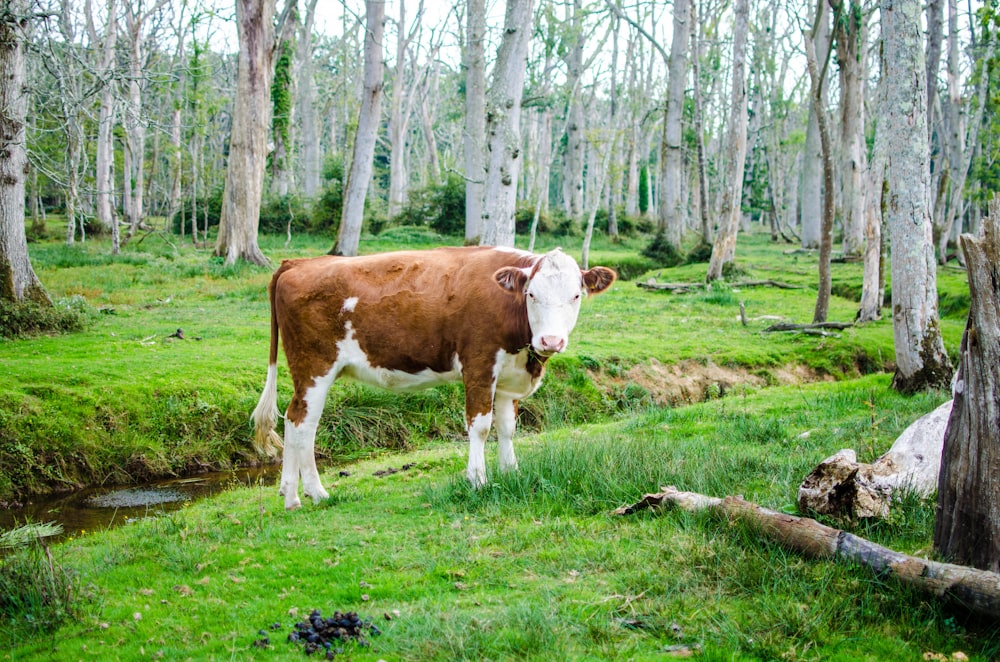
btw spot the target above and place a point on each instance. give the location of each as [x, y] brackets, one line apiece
[209, 207]
[662, 251]
[27, 318]
[276, 213]
[702, 252]
[330, 204]
[440, 206]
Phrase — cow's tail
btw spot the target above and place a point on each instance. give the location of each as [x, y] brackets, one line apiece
[265, 417]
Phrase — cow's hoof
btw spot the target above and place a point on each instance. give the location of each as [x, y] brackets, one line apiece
[477, 479]
[292, 503]
[318, 494]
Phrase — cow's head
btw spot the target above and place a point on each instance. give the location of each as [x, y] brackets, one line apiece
[552, 291]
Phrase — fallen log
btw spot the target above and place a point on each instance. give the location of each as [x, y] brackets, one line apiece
[803, 327]
[977, 590]
[842, 487]
[683, 288]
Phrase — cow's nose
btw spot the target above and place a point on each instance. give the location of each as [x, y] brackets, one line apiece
[552, 343]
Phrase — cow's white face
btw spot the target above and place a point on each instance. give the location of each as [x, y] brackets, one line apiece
[553, 291]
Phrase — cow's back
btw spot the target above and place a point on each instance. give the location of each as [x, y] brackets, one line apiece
[407, 311]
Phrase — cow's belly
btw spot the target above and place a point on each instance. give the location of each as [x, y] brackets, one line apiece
[354, 364]
[513, 378]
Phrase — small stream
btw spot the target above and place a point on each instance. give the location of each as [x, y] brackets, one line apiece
[98, 508]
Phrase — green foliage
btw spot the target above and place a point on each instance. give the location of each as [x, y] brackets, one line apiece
[662, 252]
[277, 214]
[644, 189]
[330, 204]
[440, 206]
[208, 210]
[28, 318]
[281, 96]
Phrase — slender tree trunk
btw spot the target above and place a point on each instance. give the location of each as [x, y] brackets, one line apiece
[349, 235]
[104, 159]
[850, 33]
[699, 132]
[817, 77]
[503, 126]
[576, 121]
[399, 121]
[724, 247]
[475, 119]
[135, 123]
[921, 361]
[967, 528]
[244, 186]
[18, 281]
[310, 151]
[673, 170]
[283, 91]
[811, 173]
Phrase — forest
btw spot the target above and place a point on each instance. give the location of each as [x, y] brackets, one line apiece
[631, 113]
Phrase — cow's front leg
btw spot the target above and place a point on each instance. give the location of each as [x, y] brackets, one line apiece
[478, 419]
[479, 430]
[505, 411]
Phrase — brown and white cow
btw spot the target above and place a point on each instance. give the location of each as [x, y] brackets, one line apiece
[489, 317]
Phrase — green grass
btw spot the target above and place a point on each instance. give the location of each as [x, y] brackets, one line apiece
[533, 566]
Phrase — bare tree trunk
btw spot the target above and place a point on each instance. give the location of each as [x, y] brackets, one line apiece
[349, 234]
[503, 126]
[475, 120]
[706, 225]
[817, 77]
[850, 33]
[134, 121]
[811, 173]
[967, 529]
[673, 167]
[106, 118]
[399, 117]
[921, 361]
[244, 186]
[18, 281]
[724, 247]
[310, 160]
[576, 121]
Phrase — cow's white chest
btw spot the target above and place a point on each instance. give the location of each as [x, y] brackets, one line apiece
[513, 378]
[353, 363]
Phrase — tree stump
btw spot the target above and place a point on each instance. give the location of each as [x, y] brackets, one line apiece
[967, 529]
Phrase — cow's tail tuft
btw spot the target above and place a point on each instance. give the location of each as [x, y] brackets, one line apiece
[265, 415]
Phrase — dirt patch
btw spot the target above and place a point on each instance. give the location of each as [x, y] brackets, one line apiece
[694, 381]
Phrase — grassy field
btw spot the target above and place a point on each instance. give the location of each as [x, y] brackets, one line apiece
[532, 567]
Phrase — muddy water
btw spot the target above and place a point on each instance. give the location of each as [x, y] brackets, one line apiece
[98, 508]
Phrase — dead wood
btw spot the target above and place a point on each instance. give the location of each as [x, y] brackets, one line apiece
[786, 326]
[977, 590]
[842, 487]
[683, 288]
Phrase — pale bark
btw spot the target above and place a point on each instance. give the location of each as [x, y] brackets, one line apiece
[244, 186]
[811, 172]
[850, 32]
[817, 77]
[671, 212]
[475, 119]
[399, 114]
[724, 246]
[349, 234]
[842, 487]
[503, 126]
[921, 361]
[967, 529]
[576, 123]
[104, 158]
[18, 281]
[706, 225]
[310, 152]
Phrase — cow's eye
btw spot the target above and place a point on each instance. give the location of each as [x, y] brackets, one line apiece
[531, 295]
[576, 298]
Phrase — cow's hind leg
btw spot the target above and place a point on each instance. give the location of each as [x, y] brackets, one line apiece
[299, 458]
[505, 411]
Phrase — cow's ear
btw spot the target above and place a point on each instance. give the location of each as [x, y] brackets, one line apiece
[511, 279]
[599, 279]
